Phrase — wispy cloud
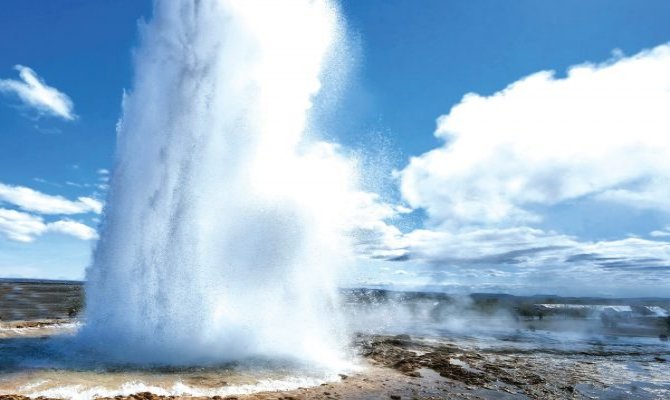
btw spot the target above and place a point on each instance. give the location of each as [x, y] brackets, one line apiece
[660, 233]
[31, 200]
[73, 228]
[528, 260]
[23, 227]
[20, 226]
[528, 248]
[35, 93]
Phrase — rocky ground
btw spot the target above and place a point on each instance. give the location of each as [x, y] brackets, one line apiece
[31, 300]
[404, 367]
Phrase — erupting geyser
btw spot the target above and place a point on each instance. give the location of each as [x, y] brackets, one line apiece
[223, 231]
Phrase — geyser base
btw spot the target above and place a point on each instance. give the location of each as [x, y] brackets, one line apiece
[54, 366]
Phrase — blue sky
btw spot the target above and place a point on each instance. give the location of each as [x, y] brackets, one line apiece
[413, 63]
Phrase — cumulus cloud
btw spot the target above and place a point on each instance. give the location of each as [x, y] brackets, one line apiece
[23, 227]
[371, 226]
[31, 200]
[35, 93]
[596, 137]
[600, 133]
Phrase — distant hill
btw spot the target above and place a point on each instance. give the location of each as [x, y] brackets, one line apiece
[41, 281]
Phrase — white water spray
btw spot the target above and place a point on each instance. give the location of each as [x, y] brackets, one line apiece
[223, 230]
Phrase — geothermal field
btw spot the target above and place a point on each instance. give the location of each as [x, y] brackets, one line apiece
[413, 345]
[235, 238]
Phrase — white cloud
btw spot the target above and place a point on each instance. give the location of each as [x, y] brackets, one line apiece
[370, 224]
[598, 136]
[665, 232]
[488, 246]
[32, 200]
[91, 204]
[23, 227]
[529, 248]
[526, 260]
[103, 175]
[73, 228]
[20, 226]
[600, 133]
[34, 92]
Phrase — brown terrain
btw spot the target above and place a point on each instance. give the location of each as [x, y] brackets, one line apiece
[404, 367]
[30, 300]
[396, 367]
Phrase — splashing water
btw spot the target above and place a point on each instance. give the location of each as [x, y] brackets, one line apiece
[222, 236]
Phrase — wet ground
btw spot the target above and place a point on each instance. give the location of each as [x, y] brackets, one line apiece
[414, 348]
[517, 365]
